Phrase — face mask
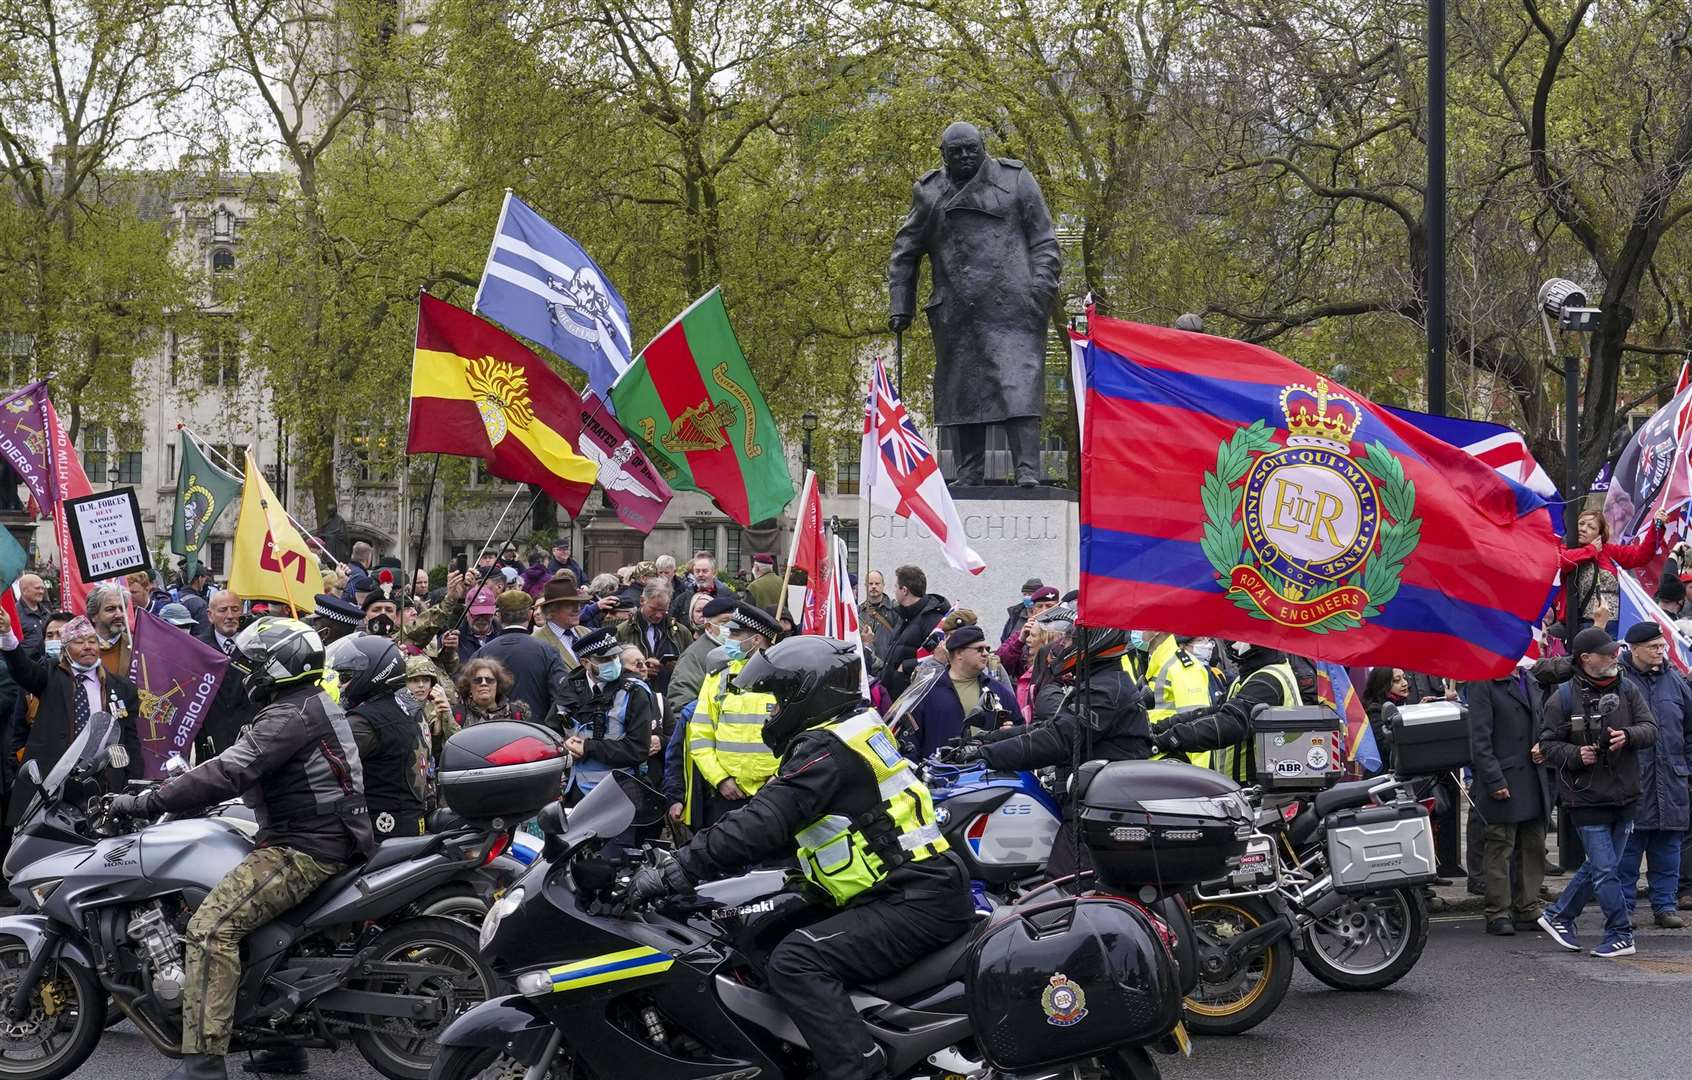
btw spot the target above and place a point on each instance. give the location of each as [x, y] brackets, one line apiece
[83, 669]
[1202, 650]
[1027, 601]
[714, 633]
[381, 626]
[1137, 641]
[610, 670]
[732, 649]
[54, 648]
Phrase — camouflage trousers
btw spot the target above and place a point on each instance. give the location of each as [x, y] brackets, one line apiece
[261, 887]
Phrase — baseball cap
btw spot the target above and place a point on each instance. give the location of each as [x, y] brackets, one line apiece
[1594, 639]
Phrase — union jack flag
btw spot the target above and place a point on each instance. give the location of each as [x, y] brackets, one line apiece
[899, 472]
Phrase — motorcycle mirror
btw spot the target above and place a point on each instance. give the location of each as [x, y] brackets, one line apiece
[552, 818]
[117, 756]
[32, 772]
[175, 765]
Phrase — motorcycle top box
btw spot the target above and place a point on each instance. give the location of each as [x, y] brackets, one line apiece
[1430, 738]
[502, 769]
[1061, 981]
[1160, 822]
[1297, 748]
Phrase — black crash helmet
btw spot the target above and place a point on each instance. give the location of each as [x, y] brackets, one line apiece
[1090, 648]
[367, 666]
[813, 679]
[278, 653]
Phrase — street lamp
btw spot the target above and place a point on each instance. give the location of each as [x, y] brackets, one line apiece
[113, 475]
[1565, 301]
[808, 423]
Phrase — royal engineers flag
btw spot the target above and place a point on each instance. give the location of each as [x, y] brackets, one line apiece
[476, 391]
[1226, 490]
[540, 283]
[203, 491]
[629, 479]
[690, 397]
[24, 442]
[177, 676]
[271, 560]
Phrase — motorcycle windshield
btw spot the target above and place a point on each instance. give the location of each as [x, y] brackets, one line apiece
[607, 811]
[924, 679]
[100, 732]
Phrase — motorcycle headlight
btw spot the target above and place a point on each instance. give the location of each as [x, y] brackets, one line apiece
[43, 890]
[502, 907]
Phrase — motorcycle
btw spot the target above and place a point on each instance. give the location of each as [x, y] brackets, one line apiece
[109, 919]
[679, 991]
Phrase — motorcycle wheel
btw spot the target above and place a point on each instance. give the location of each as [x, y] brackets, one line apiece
[1371, 942]
[1230, 1006]
[453, 903]
[404, 1049]
[67, 1015]
[481, 1063]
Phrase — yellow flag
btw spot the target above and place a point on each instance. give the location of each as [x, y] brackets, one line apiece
[271, 561]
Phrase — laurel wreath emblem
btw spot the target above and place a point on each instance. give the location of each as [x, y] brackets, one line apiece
[1225, 547]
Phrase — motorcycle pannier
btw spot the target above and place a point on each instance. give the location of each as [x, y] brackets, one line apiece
[1380, 847]
[1150, 822]
[1064, 980]
[502, 769]
[1297, 748]
[1430, 738]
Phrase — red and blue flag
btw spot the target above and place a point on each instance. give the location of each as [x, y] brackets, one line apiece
[1226, 490]
[1334, 689]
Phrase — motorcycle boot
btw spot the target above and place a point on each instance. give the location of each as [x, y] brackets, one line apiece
[277, 1061]
[200, 1067]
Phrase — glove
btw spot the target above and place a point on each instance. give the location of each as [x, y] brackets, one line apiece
[654, 882]
[959, 755]
[1166, 741]
[134, 806]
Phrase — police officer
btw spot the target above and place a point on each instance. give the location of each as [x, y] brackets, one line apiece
[387, 725]
[608, 713]
[298, 768]
[864, 829]
[1265, 678]
[725, 735]
[1102, 716]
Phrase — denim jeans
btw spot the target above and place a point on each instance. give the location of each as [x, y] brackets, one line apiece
[1660, 850]
[1599, 876]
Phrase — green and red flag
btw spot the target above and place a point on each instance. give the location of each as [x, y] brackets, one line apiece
[691, 398]
[476, 391]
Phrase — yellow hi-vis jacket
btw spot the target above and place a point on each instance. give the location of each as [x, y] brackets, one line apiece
[725, 738]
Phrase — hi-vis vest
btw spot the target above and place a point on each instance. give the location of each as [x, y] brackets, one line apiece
[1181, 681]
[1236, 761]
[844, 857]
[725, 738]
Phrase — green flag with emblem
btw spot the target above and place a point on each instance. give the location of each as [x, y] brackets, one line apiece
[202, 492]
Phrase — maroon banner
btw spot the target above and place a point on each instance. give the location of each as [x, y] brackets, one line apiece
[178, 676]
[632, 485]
[24, 442]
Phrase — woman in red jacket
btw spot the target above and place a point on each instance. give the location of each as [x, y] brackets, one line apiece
[1589, 571]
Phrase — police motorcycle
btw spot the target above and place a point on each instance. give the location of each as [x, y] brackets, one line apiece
[1039, 989]
[112, 904]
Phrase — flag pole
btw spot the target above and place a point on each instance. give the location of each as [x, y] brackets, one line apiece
[208, 448]
[793, 547]
[428, 503]
[509, 540]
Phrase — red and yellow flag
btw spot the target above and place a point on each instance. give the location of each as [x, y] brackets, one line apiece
[476, 391]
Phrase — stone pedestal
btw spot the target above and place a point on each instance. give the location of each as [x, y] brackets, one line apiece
[1022, 533]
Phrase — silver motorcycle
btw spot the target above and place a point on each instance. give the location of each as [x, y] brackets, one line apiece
[107, 923]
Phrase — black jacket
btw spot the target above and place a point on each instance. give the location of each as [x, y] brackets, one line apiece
[1106, 720]
[395, 756]
[53, 727]
[585, 705]
[536, 667]
[818, 776]
[916, 621]
[1503, 725]
[1613, 780]
[298, 767]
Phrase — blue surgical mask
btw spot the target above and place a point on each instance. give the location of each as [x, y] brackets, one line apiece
[1137, 640]
[54, 648]
[1027, 601]
[610, 670]
[731, 649]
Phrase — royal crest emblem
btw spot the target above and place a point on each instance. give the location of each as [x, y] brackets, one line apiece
[1302, 532]
[501, 393]
[1063, 1002]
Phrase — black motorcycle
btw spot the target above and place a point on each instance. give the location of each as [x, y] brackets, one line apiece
[111, 919]
[680, 991]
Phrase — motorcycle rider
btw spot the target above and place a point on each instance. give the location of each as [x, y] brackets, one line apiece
[1265, 678]
[298, 767]
[387, 725]
[864, 828]
[724, 735]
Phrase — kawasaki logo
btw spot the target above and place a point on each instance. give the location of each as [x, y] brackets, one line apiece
[757, 908]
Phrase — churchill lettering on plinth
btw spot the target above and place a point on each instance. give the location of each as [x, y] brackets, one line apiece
[994, 261]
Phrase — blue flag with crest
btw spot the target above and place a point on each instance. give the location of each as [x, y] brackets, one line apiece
[541, 284]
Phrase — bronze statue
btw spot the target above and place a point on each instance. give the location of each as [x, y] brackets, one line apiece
[994, 261]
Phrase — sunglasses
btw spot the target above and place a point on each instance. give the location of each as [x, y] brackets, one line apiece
[483, 680]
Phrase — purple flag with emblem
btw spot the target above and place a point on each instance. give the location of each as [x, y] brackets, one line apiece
[23, 441]
[632, 485]
[177, 675]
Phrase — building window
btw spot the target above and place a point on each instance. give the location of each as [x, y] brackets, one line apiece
[214, 553]
[846, 476]
[170, 462]
[222, 260]
[220, 360]
[703, 538]
[848, 531]
[94, 456]
[234, 457]
[733, 560]
[368, 451]
[223, 224]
